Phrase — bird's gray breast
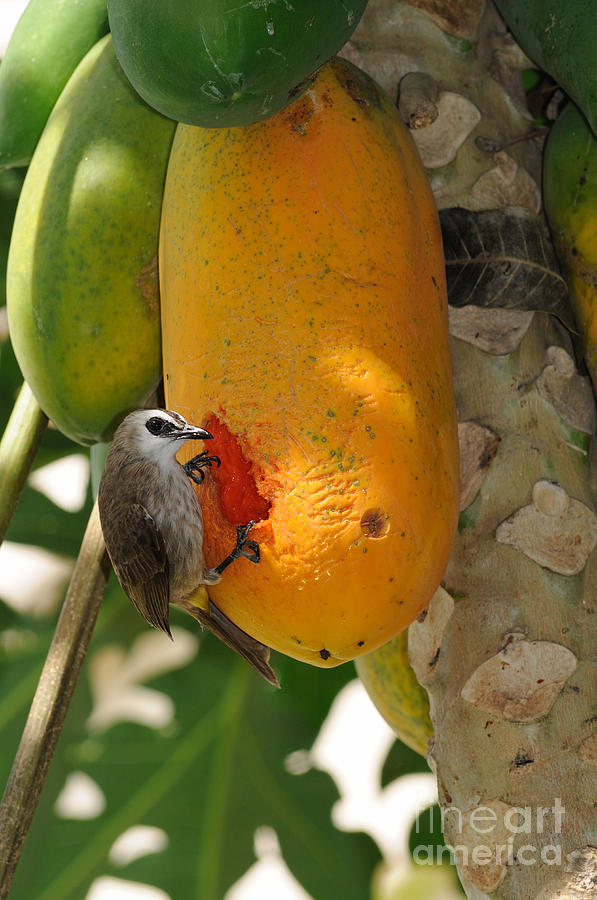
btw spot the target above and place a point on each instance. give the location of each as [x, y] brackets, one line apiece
[180, 521]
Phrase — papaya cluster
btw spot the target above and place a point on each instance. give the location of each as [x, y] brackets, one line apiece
[84, 296]
[278, 262]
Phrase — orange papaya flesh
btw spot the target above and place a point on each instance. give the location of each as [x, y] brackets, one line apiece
[304, 312]
[239, 496]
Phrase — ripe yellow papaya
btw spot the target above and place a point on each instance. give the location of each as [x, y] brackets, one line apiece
[82, 288]
[304, 322]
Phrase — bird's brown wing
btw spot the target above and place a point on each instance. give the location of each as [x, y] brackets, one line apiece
[141, 563]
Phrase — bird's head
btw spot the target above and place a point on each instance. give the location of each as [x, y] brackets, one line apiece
[156, 434]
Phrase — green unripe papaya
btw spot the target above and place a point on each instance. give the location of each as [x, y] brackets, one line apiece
[50, 40]
[82, 288]
[570, 198]
[221, 63]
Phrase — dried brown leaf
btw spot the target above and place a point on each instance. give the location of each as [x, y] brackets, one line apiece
[503, 258]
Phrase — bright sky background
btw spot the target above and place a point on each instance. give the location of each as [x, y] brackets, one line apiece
[10, 11]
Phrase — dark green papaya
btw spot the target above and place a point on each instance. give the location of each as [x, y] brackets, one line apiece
[50, 40]
[560, 37]
[224, 63]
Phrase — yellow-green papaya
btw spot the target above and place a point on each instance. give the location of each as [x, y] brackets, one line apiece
[393, 687]
[570, 198]
[82, 288]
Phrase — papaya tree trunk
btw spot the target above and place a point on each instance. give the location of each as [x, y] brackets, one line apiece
[507, 648]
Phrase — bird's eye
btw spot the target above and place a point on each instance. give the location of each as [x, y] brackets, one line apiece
[155, 425]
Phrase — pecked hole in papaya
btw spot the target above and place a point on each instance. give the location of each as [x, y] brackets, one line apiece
[240, 499]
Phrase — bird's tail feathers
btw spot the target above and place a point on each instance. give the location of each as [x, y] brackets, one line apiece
[251, 650]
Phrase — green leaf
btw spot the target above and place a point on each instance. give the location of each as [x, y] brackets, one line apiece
[427, 840]
[209, 780]
[10, 380]
[11, 181]
[55, 445]
[427, 829]
[37, 520]
[401, 760]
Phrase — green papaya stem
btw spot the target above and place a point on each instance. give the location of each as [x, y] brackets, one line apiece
[52, 698]
[18, 447]
[97, 458]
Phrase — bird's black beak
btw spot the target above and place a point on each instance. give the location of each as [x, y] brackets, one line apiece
[194, 433]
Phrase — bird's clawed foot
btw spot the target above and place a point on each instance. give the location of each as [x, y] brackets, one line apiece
[193, 468]
[244, 547]
[248, 549]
